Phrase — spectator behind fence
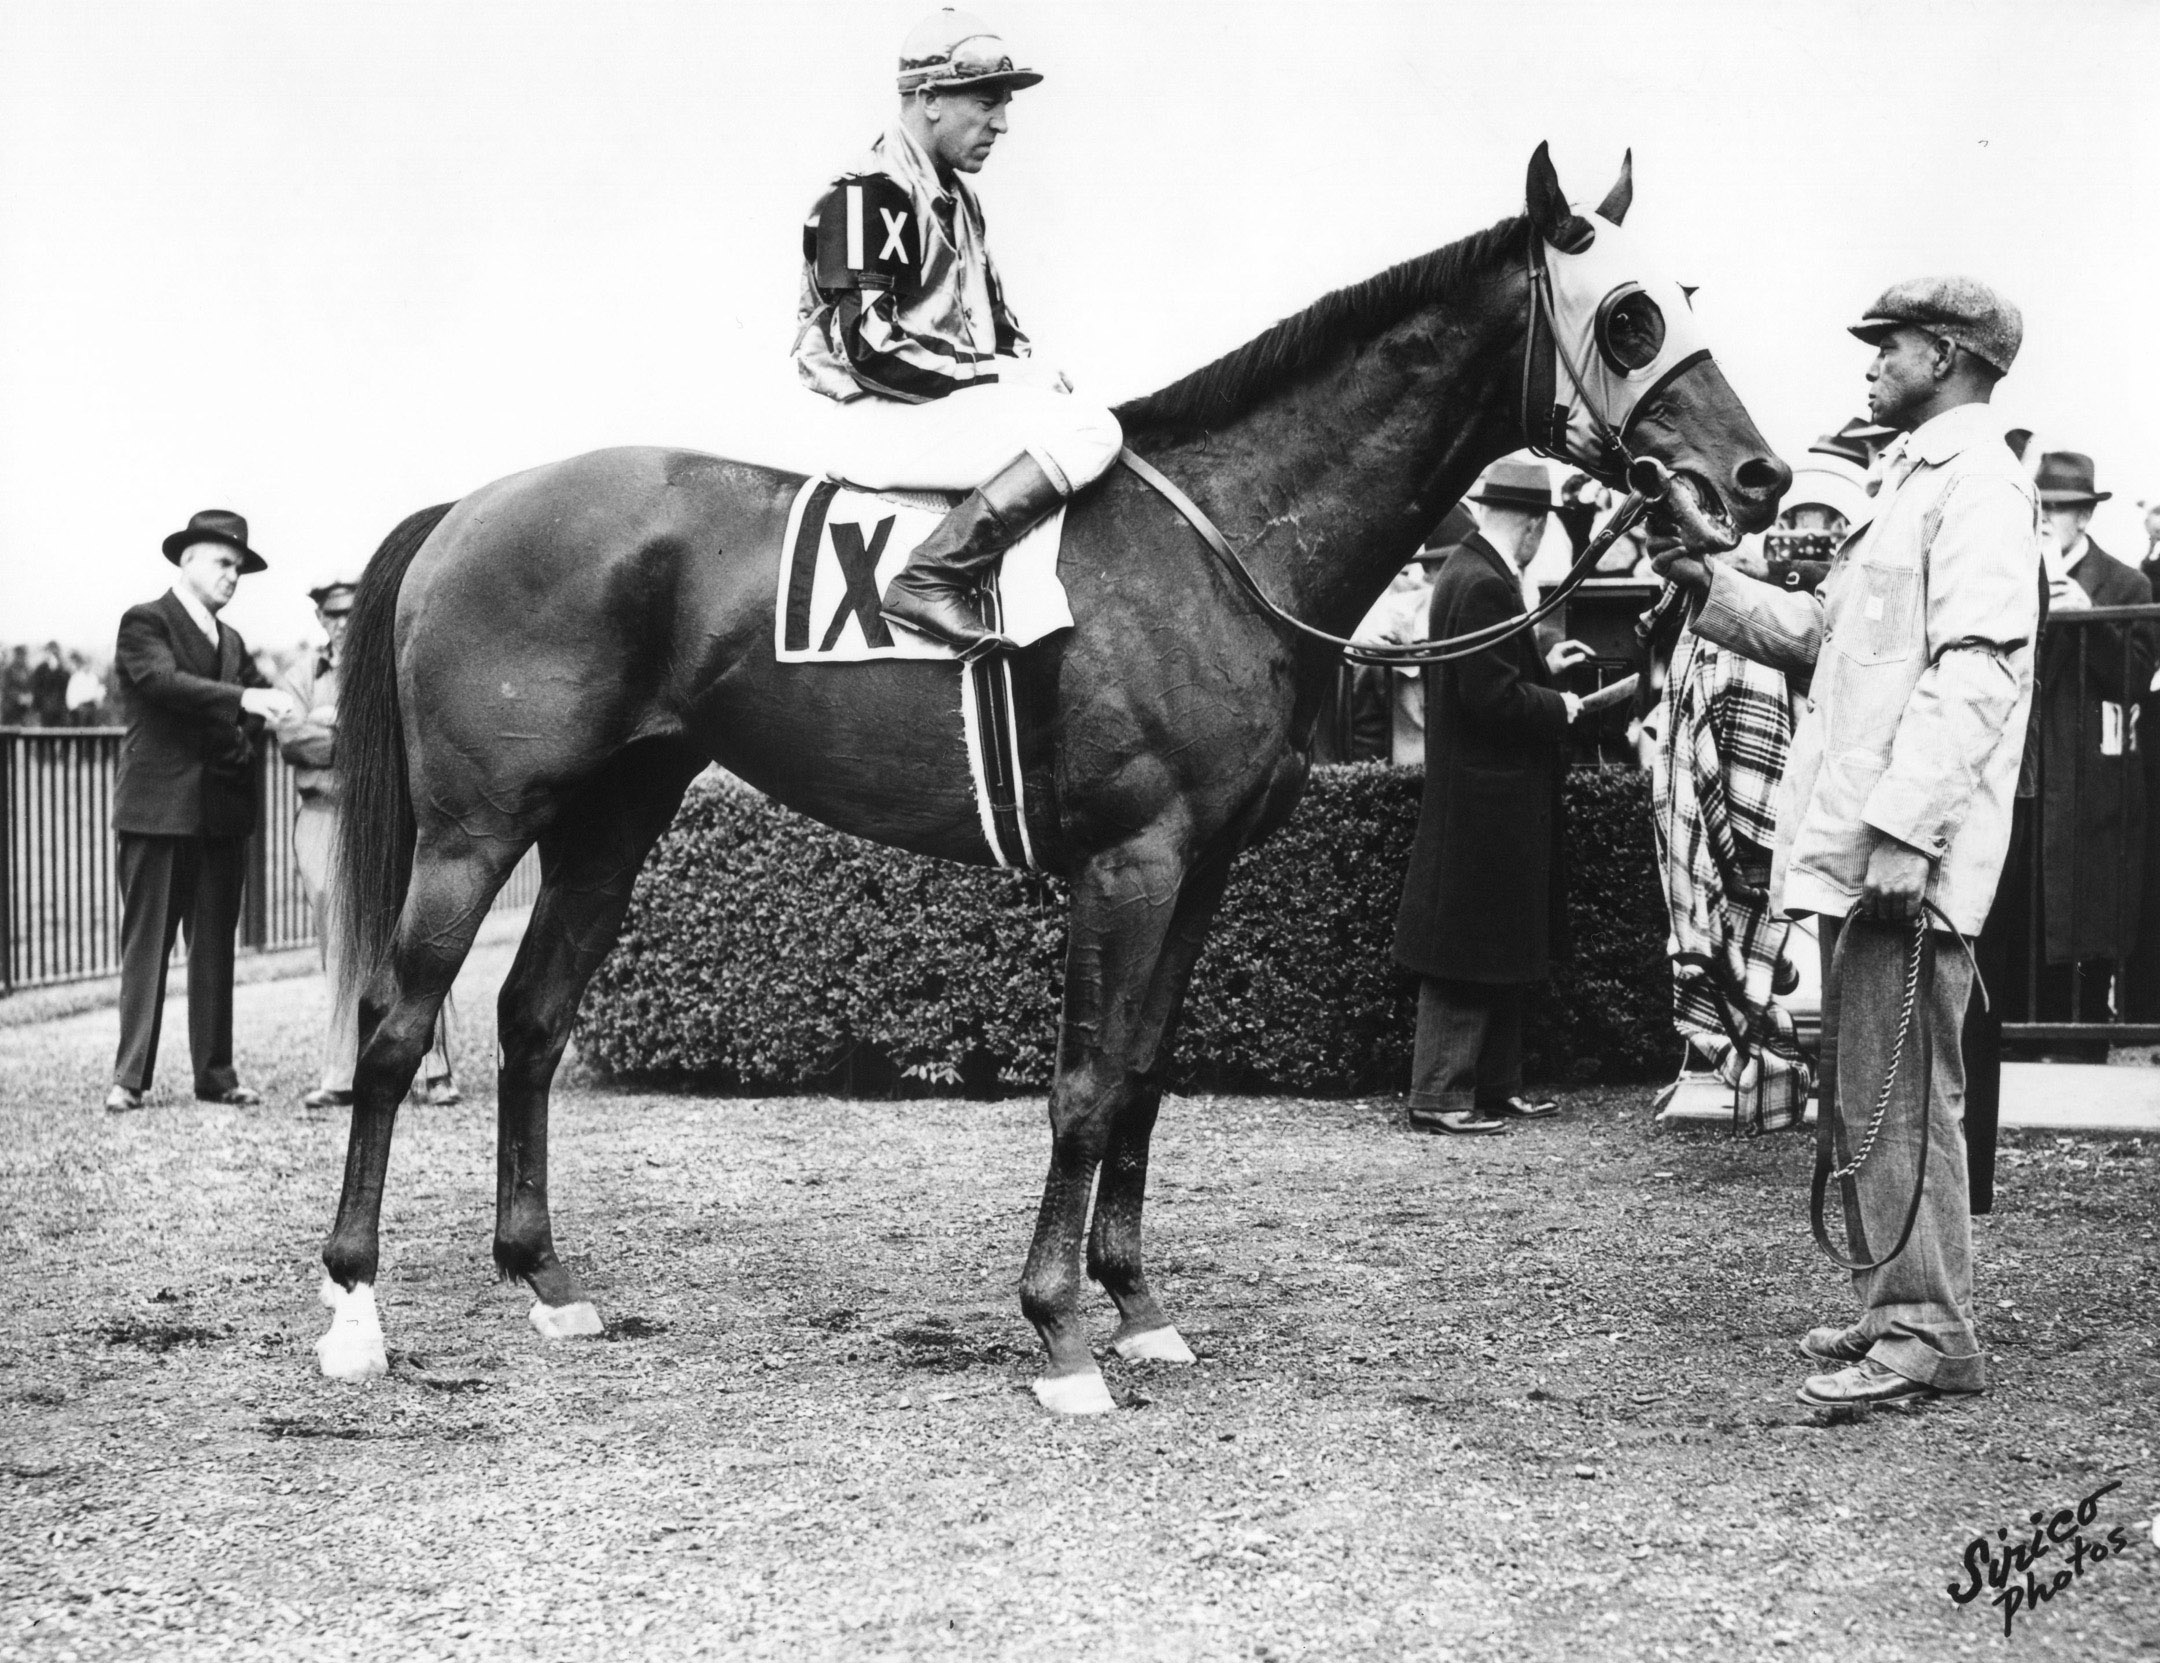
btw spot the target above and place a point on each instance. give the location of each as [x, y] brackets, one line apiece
[15, 689]
[48, 688]
[85, 692]
[184, 804]
[1897, 797]
[1483, 902]
[2090, 841]
[308, 740]
[2094, 804]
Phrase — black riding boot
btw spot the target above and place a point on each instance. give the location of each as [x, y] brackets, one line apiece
[930, 594]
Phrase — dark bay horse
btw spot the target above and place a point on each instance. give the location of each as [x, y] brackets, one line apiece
[554, 657]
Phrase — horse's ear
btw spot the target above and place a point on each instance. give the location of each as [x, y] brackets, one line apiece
[1618, 199]
[1548, 206]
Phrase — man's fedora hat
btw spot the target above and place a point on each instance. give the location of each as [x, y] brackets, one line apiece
[216, 525]
[2065, 480]
[1457, 526]
[1960, 309]
[951, 50]
[1512, 484]
[1856, 442]
[336, 586]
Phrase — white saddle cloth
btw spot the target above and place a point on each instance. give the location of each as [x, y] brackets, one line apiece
[844, 546]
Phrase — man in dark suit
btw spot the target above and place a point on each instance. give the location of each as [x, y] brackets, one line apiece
[2091, 821]
[1482, 902]
[184, 803]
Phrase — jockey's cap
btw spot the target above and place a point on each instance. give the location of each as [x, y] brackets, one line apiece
[1960, 309]
[950, 50]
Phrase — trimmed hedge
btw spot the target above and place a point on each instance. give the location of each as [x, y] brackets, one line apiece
[764, 951]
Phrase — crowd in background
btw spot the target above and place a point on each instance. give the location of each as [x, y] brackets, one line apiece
[2088, 921]
[52, 686]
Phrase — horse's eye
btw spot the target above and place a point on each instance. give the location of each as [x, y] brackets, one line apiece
[1630, 330]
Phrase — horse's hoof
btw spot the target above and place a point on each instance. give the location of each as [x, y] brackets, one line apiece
[353, 1348]
[566, 1322]
[1157, 1345]
[1075, 1394]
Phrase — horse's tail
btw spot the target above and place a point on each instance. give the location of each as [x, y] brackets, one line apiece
[375, 814]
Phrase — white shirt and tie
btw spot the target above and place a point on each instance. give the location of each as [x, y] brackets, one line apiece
[2062, 562]
[205, 620]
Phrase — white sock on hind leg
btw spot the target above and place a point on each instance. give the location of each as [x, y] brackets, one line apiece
[566, 1322]
[1157, 1345]
[353, 1348]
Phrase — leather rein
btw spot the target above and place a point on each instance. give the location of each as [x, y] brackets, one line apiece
[1647, 479]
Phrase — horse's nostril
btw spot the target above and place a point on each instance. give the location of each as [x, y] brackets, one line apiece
[1762, 476]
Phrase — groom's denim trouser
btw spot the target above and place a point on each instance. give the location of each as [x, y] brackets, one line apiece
[1917, 1309]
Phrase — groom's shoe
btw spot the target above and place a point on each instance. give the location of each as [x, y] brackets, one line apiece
[1866, 1385]
[1835, 1346]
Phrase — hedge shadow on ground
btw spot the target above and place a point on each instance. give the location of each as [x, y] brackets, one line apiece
[766, 952]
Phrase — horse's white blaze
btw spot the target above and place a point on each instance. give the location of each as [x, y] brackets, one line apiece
[1157, 1345]
[1075, 1394]
[353, 1348]
[566, 1322]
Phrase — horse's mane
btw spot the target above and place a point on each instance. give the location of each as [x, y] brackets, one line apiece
[1219, 393]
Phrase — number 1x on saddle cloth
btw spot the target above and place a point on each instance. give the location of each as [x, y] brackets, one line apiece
[843, 547]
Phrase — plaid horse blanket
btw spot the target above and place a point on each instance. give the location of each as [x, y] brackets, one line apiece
[1727, 725]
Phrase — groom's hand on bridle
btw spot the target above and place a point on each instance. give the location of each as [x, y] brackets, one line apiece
[1672, 562]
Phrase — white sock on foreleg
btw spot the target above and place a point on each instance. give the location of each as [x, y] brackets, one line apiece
[353, 1348]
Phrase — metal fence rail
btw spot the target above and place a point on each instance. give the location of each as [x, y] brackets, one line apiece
[60, 903]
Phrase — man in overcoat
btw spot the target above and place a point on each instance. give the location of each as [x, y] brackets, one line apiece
[184, 803]
[1895, 815]
[1482, 906]
[2093, 678]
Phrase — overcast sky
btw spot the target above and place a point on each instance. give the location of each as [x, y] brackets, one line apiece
[324, 263]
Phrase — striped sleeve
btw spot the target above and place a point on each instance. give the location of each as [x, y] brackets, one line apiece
[887, 358]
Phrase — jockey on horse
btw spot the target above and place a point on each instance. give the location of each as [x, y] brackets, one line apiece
[904, 324]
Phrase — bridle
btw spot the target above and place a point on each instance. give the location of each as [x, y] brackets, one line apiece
[1647, 479]
[1549, 434]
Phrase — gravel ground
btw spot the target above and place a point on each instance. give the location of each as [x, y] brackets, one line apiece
[1525, 1399]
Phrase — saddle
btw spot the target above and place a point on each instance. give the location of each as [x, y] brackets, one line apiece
[843, 545]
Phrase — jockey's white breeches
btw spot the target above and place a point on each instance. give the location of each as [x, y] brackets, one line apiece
[957, 442]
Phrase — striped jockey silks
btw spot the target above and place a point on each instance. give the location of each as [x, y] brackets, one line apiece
[899, 295]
